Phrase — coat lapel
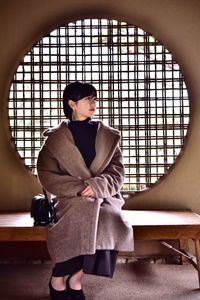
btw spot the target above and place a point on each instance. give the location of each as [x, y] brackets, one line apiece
[69, 156]
[66, 152]
[106, 142]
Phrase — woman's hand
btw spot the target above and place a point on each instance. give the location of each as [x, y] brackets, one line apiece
[88, 192]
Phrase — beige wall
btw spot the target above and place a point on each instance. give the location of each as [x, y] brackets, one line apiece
[175, 23]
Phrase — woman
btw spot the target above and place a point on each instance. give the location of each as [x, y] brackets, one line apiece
[80, 164]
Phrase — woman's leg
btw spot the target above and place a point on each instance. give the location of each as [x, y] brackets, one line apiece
[72, 287]
[75, 280]
[73, 284]
[57, 289]
[58, 283]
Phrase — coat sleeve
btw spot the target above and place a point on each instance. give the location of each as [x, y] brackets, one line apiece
[53, 179]
[110, 181]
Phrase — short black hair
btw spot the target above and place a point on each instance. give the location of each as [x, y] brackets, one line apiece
[76, 91]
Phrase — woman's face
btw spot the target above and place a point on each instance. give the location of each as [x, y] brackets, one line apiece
[83, 108]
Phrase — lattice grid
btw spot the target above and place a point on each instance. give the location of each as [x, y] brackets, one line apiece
[141, 92]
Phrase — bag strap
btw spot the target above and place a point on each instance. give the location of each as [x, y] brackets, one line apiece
[50, 205]
[45, 194]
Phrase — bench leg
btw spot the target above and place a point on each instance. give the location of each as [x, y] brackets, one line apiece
[197, 249]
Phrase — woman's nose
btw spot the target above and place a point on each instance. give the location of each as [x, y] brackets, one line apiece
[92, 100]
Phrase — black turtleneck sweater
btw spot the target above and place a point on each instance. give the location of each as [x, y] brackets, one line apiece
[84, 134]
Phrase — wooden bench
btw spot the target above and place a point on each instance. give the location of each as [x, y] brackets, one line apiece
[147, 225]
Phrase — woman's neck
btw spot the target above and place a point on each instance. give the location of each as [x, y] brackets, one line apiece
[80, 119]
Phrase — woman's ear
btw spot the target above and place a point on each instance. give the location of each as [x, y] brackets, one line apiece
[72, 104]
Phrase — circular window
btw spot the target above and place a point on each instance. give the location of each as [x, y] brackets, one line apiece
[140, 88]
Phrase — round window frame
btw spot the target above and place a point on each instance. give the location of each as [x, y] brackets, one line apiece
[179, 155]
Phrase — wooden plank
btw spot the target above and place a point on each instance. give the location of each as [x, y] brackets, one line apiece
[158, 217]
[163, 232]
[23, 233]
[147, 225]
[21, 219]
[19, 227]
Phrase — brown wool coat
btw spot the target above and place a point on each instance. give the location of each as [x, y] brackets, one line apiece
[84, 224]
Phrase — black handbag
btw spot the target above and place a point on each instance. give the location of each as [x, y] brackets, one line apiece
[42, 210]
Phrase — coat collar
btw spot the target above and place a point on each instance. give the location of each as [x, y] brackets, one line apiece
[61, 144]
[107, 140]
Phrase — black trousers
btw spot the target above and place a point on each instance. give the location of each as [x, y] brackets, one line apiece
[102, 263]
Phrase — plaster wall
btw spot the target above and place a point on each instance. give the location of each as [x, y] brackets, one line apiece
[175, 23]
